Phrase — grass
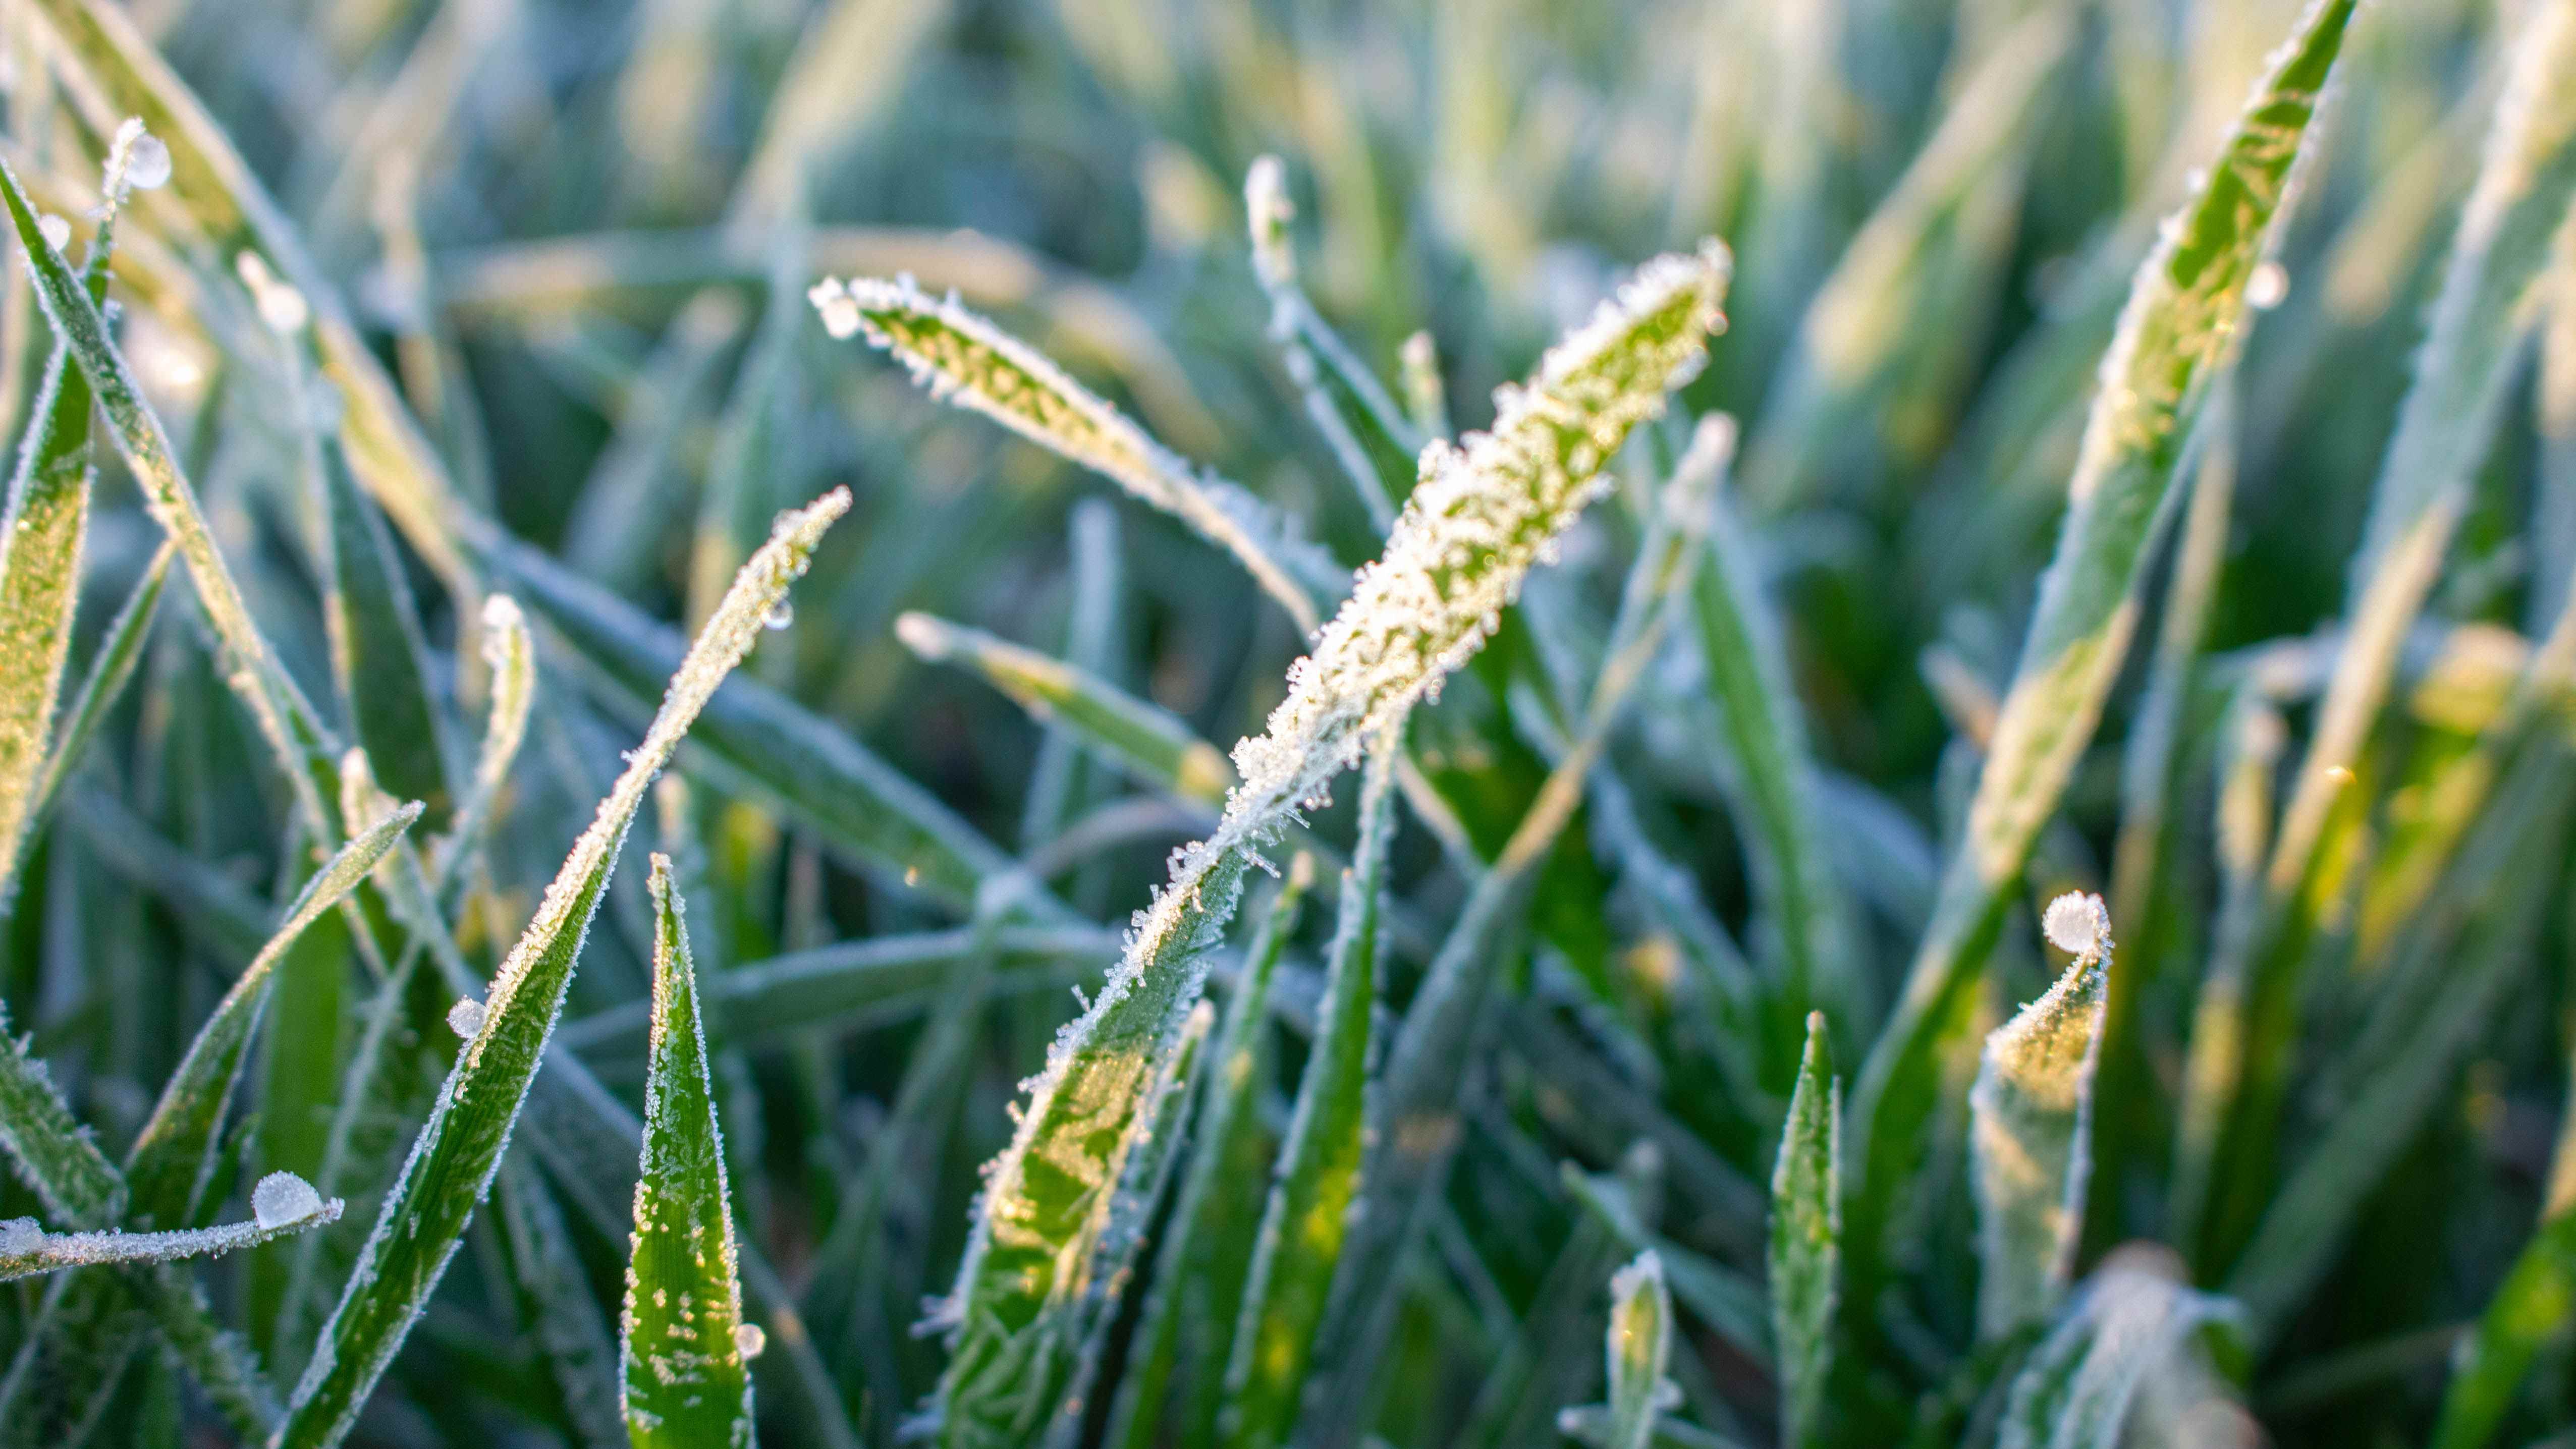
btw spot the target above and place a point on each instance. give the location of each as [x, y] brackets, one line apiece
[1685, 569]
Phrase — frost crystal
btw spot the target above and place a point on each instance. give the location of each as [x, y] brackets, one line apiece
[282, 1199]
[465, 1018]
[2077, 923]
[840, 311]
[749, 1339]
[20, 1235]
[281, 308]
[56, 231]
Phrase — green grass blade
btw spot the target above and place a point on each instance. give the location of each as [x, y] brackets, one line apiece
[2030, 1124]
[2127, 1331]
[172, 1160]
[1188, 1327]
[1318, 1182]
[452, 1162]
[1731, 1303]
[1806, 1240]
[1146, 740]
[2528, 1312]
[758, 739]
[109, 672]
[378, 656]
[967, 360]
[1638, 1346]
[684, 1337]
[2179, 327]
[27, 1250]
[1476, 524]
[555, 1302]
[40, 556]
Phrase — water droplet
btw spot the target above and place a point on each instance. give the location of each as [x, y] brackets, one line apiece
[2267, 286]
[465, 1018]
[749, 1339]
[282, 1199]
[780, 616]
[2076, 923]
[147, 163]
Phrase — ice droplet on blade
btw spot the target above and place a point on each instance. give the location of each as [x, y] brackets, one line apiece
[283, 1198]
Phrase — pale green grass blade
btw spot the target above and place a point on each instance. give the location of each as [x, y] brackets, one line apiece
[967, 360]
[2083, 1384]
[114, 69]
[555, 1301]
[2178, 330]
[2030, 1128]
[1732, 1304]
[26, 1249]
[1146, 740]
[763, 742]
[452, 1162]
[1189, 1320]
[1318, 1181]
[1368, 439]
[172, 1160]
[1061, 779]
[40, 557]
[510, 664]
[1806, 1240]
[2479, 322]
[684, 1337]
[1476, 524]
[379, 658]
[1766, 762]
[109, 672]
[1426, 396]
[1639, 1347]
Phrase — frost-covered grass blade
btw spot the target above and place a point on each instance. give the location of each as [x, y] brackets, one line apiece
[1806, 1240]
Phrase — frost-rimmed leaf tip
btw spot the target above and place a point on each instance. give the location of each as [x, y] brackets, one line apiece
[1481, 515]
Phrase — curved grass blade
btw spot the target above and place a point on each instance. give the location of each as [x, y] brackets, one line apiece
[2179, 328]
[1806, 1240]
[452, 1162]
[1153, 746]
[109, 672]
[2030, 1120]
[40, 553]
[2131, 1324]
[963, 358]
[26, 1249]
[173, 1157]
[1638, 1347]
[1731, 1303]
[1318, 1182]
[555, 1303]
[1199, 1281]
[684, 1337]
[2480, 320]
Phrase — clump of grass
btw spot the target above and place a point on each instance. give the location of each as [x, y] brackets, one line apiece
[1683, 1064]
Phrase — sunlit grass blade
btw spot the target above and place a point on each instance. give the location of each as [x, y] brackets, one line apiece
[1348, 405]
[2129, 1328]
[1318, 1181]
[2030, 1128]
[1639, 1346]
[684, 1336]
[172, 1159]
[27, 1249]
[1476, 524]
[755, 738]
[1146, 740]
[40, 557]
[109, 672]
[2530, 1307]
[1186, 1333]
[967, 360]
[2180, 326]
[1806, 1240]
[2469, 355]
[1765, 760]
[452, 1162]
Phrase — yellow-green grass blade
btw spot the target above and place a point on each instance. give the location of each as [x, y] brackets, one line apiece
[453, 1160]
[1806, 1241]
[1145, 739]
[110, 670]
[1318, 1181]
[1638, 1347]
[2181, 323]
[40, 557]
[684, 1337]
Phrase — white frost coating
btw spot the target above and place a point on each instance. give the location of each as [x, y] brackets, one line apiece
[1268, 211]
[135, 159]
[2268, 287]
[20, 1235]
[56, 231]
[1481, 516]
[966, 360]
[465, 1018]
[750, 1339]
[2077, 924]
[283, 1198]
[26, 1249]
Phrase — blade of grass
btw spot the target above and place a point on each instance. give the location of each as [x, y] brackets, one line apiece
[2179, 328]
[684, 1338]
[1806, 1240]
[27, 1250]
[40, 554]
[1318, 1180]
[457, 1152]
[1638, 1347]
[555, 1302]
[1147, 741]
[110, 670]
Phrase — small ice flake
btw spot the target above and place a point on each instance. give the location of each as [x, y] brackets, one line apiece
[840, 311]
[56, 231]
[2077, 923]
[749, 1339]
[465, 1018]
[20, 1235]
[2267, 286]
[283, 1199]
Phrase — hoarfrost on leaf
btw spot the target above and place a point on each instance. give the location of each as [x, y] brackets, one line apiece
[57, 232]
[20, 1235]
[2077, 923]
[282, 1198]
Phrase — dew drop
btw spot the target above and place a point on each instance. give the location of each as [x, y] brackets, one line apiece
[2269, 284]
[147, 163]
[2076, 923]
[779, 617]
[749, 1339]
[281, 1199]
[465, 1018]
